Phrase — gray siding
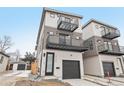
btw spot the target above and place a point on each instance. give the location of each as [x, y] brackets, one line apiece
[56, 32]
[96, 41]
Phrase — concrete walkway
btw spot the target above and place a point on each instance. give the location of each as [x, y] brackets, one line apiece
[80, 82]
[114, 81]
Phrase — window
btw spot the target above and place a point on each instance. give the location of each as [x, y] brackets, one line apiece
[99, 41]
[77, 38]
[115, 43]
[97, 26]
[1, 60]
[49, 63]
[67, 19]
[52, 15]
[107, 30]
[50, 33]
[64, 39]
[110, 46]
[106, 45]
[103, 30]
[90, 45]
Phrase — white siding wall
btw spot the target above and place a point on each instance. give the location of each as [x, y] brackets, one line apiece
[15, 66]
[58, 57]
[88, 32]
[92, 66]
[97, 30]
[4, 63]
[52, 22]
[92, 29]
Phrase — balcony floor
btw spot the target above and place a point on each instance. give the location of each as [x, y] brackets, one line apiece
[65, 47]
[112, 53]
[111, 36]
[67, 26]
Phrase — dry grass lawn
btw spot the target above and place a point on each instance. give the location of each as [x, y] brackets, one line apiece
[41, 83]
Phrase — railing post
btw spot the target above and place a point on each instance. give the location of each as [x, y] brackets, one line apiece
[109, 79]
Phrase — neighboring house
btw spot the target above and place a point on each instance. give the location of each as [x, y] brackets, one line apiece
[60, 45]
[19, 66]
[104, 53]
[4, 58]
[16, 63]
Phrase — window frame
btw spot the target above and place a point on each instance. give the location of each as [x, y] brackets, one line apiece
[52, 15]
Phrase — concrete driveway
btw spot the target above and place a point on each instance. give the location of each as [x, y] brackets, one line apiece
[80, 82]
[9, 78]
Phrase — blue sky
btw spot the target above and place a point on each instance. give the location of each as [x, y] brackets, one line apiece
[22, 24]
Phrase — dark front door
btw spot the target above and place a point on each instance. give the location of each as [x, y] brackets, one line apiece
[21, 67]
[71, 69]
[108, 67]
[49, 63]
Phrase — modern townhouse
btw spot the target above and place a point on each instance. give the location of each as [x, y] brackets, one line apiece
[104, 55]
[60, 45]
[4, 58]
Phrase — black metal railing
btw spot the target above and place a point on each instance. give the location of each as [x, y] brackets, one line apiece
[115, 50]
[67, 25]
[67, 44]
[110, 34]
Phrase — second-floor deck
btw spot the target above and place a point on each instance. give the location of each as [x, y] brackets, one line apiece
[110, 33]
[113, 50]
[55, 42]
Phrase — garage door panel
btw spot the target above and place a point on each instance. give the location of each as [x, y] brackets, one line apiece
[71, 69]
[108, 67]
[21, 67]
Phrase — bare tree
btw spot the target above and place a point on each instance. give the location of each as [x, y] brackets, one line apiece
[5, 43]
[29, 57]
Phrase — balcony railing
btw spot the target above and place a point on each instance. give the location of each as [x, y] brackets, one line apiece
[54, 42]
[67, 25]
[114, 50]
[110, 34]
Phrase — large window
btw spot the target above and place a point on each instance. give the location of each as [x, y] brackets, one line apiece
[1, 60]
[64, 39]
[106, 45]
[110, 46]
[49, 63]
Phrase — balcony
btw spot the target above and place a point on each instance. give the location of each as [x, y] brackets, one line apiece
[114, 50]
[110, 34]
[67, 24]
[54, 42]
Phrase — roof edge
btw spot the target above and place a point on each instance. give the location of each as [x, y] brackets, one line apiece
[62, 12]
[4, 54]
[99, 22]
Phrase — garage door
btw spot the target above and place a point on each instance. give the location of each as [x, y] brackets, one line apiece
[71, 69]
[21, 67]
[108, 67]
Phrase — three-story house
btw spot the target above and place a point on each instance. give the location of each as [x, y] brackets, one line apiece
[60, 45]
[104, 55]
